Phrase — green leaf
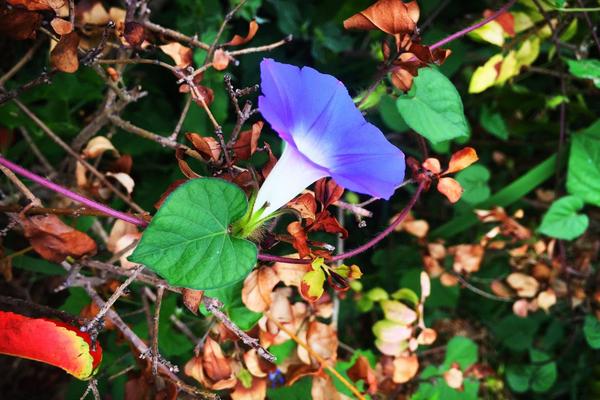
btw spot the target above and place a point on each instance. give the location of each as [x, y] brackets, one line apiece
[461, 350]
[591, 331]
[544, 373]
[586, 69]
[562, 221]
[493, 123]
[474, 181]
[517, 377]
[188, 241]
[231, 297]
[433, 107]
[583, 174]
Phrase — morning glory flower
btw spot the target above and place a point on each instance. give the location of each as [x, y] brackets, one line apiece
[325, 135]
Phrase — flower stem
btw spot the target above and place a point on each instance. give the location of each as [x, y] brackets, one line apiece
[72, 195]
[468, 29]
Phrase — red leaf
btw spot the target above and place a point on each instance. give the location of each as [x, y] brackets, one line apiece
[506, 20]
[51, 342]
[54, 241]
[327, 191]
[327, 222]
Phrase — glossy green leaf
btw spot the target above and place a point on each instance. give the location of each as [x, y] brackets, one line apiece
[188, 241]
[562, 221]
[591, 331]
[583, 175]
[461, 350]
[433, 107]
[474, 181]
[586, 69]
[493, 123]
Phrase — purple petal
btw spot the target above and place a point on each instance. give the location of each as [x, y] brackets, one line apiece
[315, 112]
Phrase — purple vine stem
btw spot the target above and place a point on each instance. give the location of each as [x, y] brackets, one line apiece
[72, 195]
[468, 29]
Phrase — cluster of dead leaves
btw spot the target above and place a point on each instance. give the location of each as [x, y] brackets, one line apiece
[406, 55]
[118, 169]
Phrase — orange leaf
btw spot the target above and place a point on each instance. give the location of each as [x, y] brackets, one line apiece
[220, 60]
[362, 370]
[405, 368]
[305, 205]
[390, 16]
[461, 160]
[192, 299]
[238, 40]
[31, 5]
[432, 165]
[256, 292]
[64, 55]
[247, 142]
[180, 54]
[450, 188]
[208, 147]
[54, 240]
[61, 26]
[51, 342]
[299, 238]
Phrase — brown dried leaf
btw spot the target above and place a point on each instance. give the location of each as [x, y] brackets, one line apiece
[174, 185]
[238, 40]
[324, 389]
[256, 391]
[19, 24]
[208, 147]
[305, 205]
[247, 141]
[362, 370]
[546, 299]
[180, 54]
[192, 299]
[54, 240]
[134, 33]
[31, 5]
[322, 339]
[257, 289]
[61, 26]
[220, 60]
[291, 274]
[299, 238]
[390, 16]
[405, 368]
[450, 188]
[270, 164]
[327, 192]
[64, 56]
[328, 223]
[427, 336]
[212, 369]
[461, 160]
[525, 285]
[467, 257]
[91, 12]
[432, 165]
[119, 229]
[97, 146]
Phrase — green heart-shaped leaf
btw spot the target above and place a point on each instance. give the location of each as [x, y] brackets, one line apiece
[188, 241]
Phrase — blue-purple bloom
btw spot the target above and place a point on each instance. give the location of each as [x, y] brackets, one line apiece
[326, 135]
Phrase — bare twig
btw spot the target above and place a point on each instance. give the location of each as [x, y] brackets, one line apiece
[43, 160]
[184, 112]
[24, 60]
[33, 200]
[108, 304]
[180, 37]
[160, 290]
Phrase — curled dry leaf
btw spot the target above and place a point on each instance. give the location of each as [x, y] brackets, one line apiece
[134, 33]
[432, 165]
[64, 55]
[54, 240]
[461, 160]
[546, 299]
[327, 192]
[291, 274]
[427, 337]
[500, 289]
[208, 147]
[123, 243]
[450, 188]
[362, 370]
[124, 180]
[61, 26]
[183, 56]
[31, 5]
[51, 342]
[211, 369]
[256, 391]
[305, 205]
[97, 146]
[324, 389]
[19, 24]
[390, 16]
[299, 238]
[247, 141]
[239, 40]
[467, 257]
[454, 377]
[252, 362]
[220, 60]
[405, 368]
[322, 339]
[91, 12]
[118, 230]
[192, 299]
[524, 285]
[257, 289]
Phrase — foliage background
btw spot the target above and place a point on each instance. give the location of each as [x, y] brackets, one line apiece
[552, 345]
